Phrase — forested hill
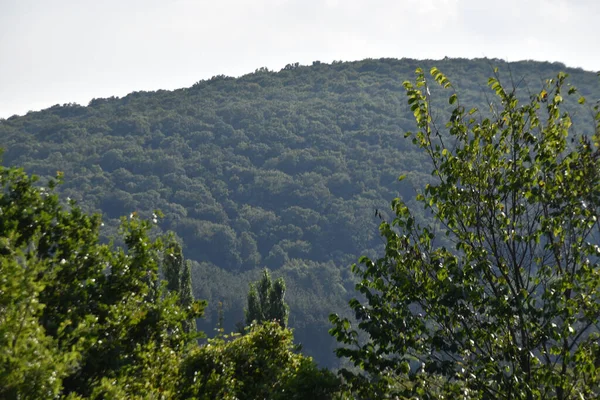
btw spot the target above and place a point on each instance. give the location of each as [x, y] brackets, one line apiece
[278, 169]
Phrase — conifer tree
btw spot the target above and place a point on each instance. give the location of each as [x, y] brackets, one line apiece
[173, 264]
[186, 296]
[177, 272]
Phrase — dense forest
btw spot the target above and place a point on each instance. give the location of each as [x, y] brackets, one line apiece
[290, 170]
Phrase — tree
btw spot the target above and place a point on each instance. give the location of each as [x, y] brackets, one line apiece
[258, 365]
[186, 296]
[31, 364]
[179, 278]
[173, 265]
[266, 301]
[80, 318]
[511, 310]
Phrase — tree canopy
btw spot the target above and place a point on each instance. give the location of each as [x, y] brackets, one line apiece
[498, 295]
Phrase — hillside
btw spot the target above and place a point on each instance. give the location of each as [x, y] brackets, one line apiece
[278, 169]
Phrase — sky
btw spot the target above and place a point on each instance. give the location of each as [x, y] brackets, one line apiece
[71, 51]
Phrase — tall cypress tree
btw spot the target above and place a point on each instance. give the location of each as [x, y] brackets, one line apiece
[186, 296]
[177, 272]
[173, 264]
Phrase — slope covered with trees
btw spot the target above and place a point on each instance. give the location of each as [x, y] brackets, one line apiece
[84, 320]
[288, 170]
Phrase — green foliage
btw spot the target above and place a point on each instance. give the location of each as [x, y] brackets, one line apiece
[511, 310]
[31, 364]
[79, 319]
[75, 314]
[258, 365]
[266, 301]
[272, 169]
[179, 278]
[173, 265]
[186, 297]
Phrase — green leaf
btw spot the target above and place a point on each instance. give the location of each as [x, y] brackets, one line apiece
[442, 274]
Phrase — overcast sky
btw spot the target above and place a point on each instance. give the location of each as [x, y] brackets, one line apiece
[60, 51]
